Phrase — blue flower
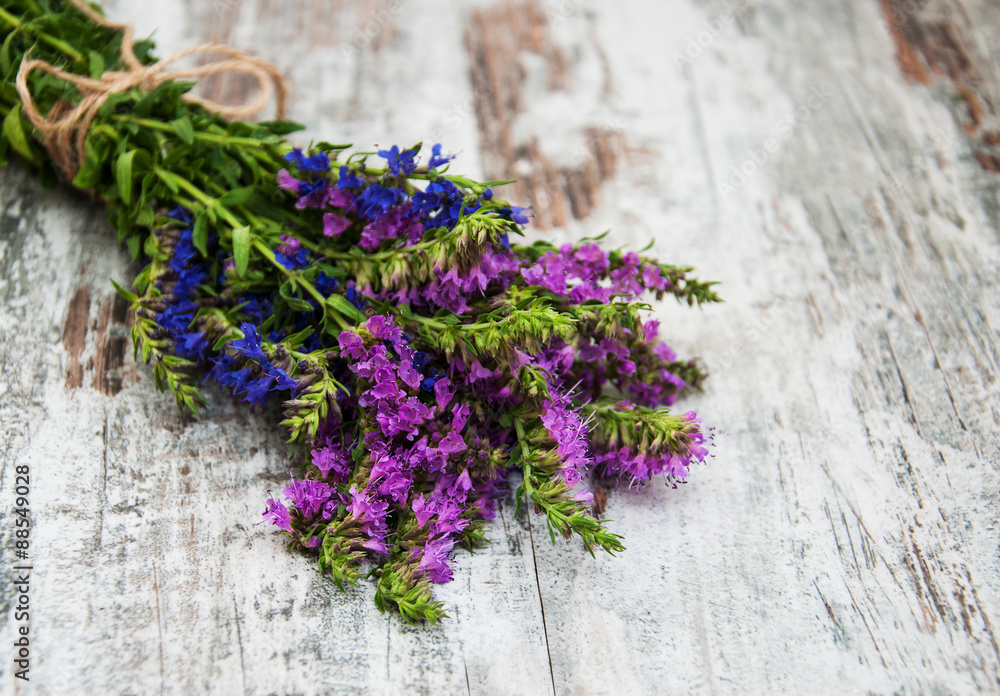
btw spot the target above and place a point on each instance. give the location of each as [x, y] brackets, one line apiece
[221, 366]
[184, 251]
[399, 162]
[515, 213]
[325, 284]
[347, 180]
[256, 307]
[312, 344]
[189, 279]
[441, 204]
[419, 360]
[319, 162]
[177, 316]
[282, 380]
[192, 345]
[437, 159]
[236, 379]
[309, 187]
[257, 390]
[299, 260]
[351, 293]
[181, 215]
[249, 345]
[376, 200]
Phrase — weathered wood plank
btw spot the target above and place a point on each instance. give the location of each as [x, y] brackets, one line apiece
[844, 539]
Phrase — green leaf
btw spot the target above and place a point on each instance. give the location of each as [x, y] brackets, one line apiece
[497, 182]
[223, 340]
[200, 234]
[282, 127]
[6, 56]
[327, 147]
[184, 130]
[130, 296]
[90, 171]
[146, 218]
[241, 249]
[96, 65]
[344, 306]
[298, 305]
[237, 196]
[134, 243]
[296, 339]
[13, 132]
[123, 176]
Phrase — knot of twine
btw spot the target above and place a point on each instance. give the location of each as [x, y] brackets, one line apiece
[64, 129]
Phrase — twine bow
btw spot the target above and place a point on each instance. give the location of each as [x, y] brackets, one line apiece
[64, 129]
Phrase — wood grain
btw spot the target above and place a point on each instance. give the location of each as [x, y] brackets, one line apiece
[510, 45]
[935, 39]
[844, 539]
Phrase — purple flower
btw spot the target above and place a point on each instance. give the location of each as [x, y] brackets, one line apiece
[332, 460]
[383, 328]
[395, 224]
[308, 496]
[334, 225]
[351, 345]
[569, 432]
[287, 182]
[452, 443]
[277, 514]
[652, 280]
[434, 559]
[289, 244]
[371, 513]
[443, 393]
[339, 198]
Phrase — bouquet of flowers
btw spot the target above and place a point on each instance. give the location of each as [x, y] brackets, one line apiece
[426, 359]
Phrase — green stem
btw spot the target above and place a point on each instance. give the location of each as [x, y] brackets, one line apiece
[218, 139]
[52, 41]
[268, 254]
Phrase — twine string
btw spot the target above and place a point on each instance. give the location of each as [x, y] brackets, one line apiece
[64, 129]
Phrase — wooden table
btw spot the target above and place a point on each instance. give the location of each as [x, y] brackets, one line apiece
[834, 163]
